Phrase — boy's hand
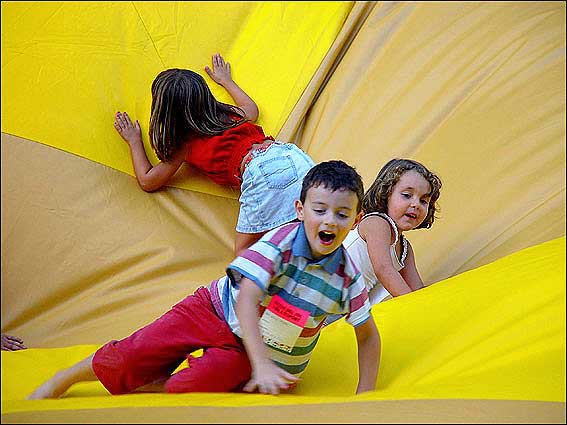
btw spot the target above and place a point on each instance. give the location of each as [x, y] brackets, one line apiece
[221, 70]
[270, 379]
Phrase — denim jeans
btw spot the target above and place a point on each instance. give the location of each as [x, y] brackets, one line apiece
[271, 183]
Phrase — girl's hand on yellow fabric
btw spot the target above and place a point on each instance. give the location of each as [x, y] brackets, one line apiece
[221, 70]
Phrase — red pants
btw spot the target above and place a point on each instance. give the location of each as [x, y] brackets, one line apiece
[156, 350]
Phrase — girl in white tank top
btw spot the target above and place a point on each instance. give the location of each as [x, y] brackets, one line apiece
[403, 197]
[358, 250]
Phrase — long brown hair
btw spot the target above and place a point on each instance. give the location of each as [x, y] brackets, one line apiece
[376, 197]
[182, 104]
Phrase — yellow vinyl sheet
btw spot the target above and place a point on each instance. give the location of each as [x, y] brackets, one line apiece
[67, 67]
[496, 332]
[474, 90]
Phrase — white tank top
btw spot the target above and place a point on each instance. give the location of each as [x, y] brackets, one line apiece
[358, 250]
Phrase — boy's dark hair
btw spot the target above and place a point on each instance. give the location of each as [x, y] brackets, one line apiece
[334, 175]
[376, 198]
[183, 105]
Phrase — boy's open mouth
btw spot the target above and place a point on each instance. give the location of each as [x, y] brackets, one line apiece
[411, 215]
[326, 237]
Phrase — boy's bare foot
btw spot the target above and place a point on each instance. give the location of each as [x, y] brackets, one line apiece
[62, 380]
[130, 132]
[53, 388]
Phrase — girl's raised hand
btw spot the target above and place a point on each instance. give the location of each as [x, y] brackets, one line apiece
[221, 70]
[129, 131]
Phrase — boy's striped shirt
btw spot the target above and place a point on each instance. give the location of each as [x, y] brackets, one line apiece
[281, 263]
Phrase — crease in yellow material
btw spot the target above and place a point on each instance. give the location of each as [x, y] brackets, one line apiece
[67, 67]
[495, 332]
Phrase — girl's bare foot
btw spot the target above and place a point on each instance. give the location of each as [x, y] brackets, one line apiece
[130, 132]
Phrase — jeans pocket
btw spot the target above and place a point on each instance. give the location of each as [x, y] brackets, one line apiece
[278, 173]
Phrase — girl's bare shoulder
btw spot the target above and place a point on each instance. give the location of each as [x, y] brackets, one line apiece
[374, 227]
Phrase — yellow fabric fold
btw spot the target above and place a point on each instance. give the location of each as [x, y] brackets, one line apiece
[496, 332]
[476, 92]
[67, 67]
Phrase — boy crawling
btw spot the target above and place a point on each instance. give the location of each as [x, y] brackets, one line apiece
[259, 324]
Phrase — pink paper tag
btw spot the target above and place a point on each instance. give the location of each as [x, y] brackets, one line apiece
[287, 311]
[281, 324]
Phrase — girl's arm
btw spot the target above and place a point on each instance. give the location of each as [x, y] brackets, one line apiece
[221, 74]
[150, 177]
[266, 376]
[368, 341]
[410, 273]
[378, 236]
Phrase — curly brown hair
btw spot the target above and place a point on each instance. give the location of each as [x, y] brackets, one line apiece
[376, 197]
[182, 104]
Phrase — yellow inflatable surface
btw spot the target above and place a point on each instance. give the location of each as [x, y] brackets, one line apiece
[67, 67]
[497, 332]
[474, 90]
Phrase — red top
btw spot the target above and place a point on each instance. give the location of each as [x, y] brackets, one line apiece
[219, 157]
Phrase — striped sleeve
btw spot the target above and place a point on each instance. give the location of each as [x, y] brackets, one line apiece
[263, 260]
[359, 302]
[258, 263]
